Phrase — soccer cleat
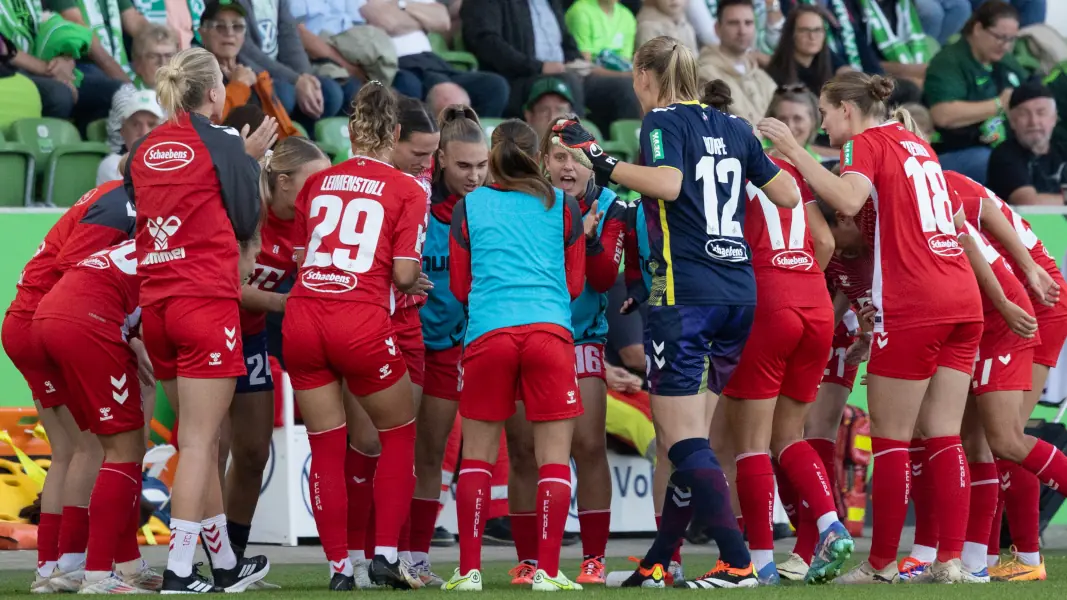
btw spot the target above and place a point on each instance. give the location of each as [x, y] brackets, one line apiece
[911, 567]
[768, 575]
[674, 574]
[442, 538]
[69, 582]
[523, 573]
[249, 569]
[1014, 570]
[193, 584]
[944, 572]
[592, 571]
[144, 579]
[864, 573]
[396, 575]
[361, 573]
[342, 583]
[794, 568]
[428, 578]
[543, 583]
[41, 585]
[834, 548]
[723, 576]
[471, 582]
[111, 584]
[979, 576]
[651, 577]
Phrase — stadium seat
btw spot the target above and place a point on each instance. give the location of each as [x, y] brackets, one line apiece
[17, 170]
[19, 99]
[71, 171]
[299, 129]
[464, 61]
[627, 134]
[97, 131]
[331, 135]
[43, 136]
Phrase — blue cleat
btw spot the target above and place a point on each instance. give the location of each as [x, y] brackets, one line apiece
[835, 547]
[768, 575]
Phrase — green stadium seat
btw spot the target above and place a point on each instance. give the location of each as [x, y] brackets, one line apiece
[43, 136]
[627, 134]
[71, 171]
[97, 131]
[299, 129]
[331, 135]
[464, 61]
[17, 170]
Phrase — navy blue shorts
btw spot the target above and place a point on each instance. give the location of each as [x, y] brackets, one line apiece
[258, 378]
[693, 349]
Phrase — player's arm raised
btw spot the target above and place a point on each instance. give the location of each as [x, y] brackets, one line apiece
[997, 225]
[604, 253]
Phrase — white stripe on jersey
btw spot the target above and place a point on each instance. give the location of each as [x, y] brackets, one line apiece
[876, 280]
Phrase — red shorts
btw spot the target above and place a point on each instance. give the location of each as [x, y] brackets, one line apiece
[1053, 335]
[589, 361]
[917, 353]
[527, 361]
[327, 340]
[783, 355]
[442, 373]
[1003, 372]
[408, 329]
[837, 370]
[198, 338]
[100, 370]
[27, 354]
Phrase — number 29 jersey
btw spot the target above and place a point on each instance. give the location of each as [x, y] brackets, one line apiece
[698, 254]
[357, 218]
[921, 276]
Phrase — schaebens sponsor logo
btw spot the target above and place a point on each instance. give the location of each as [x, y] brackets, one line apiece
[96, 262]
[330, 282]
[727, 250]
[168, 156]
[944, 244]
[797, 260]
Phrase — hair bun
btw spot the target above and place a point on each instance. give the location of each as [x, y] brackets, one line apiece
[881, 87]
[455, 112]
[717, 94]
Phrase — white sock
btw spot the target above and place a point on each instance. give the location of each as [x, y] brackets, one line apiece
[46, 568]
[344, 567]
[71, 561]
[1030, 559]
[827, 520]
[389, 552]
[183, 536]
[420, 557]
[974, 556]
[924, 554]
[762, 558]
[405, 556]
[356, 556]
[992, 560]
[217, 540]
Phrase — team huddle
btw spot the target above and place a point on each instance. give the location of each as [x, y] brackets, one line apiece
[463, 280]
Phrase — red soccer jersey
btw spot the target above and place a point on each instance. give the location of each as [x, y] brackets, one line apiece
[197, 194]
[851, 276]
[921, 276]
[357, 217]
[103, 287]
[402, 300]
[100, 218]
[274, 265]
[783, 251]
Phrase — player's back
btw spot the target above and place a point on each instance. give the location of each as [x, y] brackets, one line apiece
[102, 287]
[353, 220]
[698, 250]
[921, 276]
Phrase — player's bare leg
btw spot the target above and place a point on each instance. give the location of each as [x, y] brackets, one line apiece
[361, 463]
[436, 417]
[522, 495]
[589, 449]
[249, 449]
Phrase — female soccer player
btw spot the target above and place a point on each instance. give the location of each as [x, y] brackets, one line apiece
[703, 292]
[928, 314]
[358, 231]
[197, 197]
[100, 218]
[251, 418]
[519, 343]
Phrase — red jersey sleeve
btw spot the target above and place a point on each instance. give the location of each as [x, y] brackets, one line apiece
[861, 156]
[459, 250]
[602, 257]
[573, 247]
[411, 228]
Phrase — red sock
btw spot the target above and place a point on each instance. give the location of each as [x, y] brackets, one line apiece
[472, 511]
[499, 504]
[984, 488]
[755, 492]
[805, 471]
[403, 541]
[947, 465]
[1004, 468]
[788, 494]
[1021, 502]
[115, 496]
[827, 451]
[423, 519]
[553, 504]
[48, 538]
[677, 556]
[595, 527]
[394, 483]
[524, 532]
[359, 483]
[1048, 464]
[889, 498]
[799, 516]
[329, 500]
[922, 496]
[74, 530]
[128, 548]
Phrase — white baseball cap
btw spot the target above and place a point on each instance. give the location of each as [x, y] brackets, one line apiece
[140, 101]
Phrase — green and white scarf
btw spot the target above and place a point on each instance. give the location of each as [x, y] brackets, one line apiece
[107, 27]
[18, 22]
[196, 8]
[906, 45]
[153, 10]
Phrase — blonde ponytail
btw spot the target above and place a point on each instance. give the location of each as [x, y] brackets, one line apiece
[183, 83]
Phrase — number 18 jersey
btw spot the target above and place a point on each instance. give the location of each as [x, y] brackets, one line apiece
[921, 276]
[357, 218]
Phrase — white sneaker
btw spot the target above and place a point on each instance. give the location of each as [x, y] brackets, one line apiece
[422, 570]
[947, 572]
[361, 573]
[979, 576]
[69, 582]
[793, 568]
[144, 579]
[864, 573]
[543, 583]
[111, 584]
[470, 582]
[42, 585]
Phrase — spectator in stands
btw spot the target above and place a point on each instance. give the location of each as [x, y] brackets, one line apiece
[317, 18]
[107, 54]
[941, 19]
[408, 22]
[896, 31]
[549, 99]
[174, 15]
[136, 114]
[802, 55]
[733, 61]
[666, 17]
[604, 31]
[527, 39]
[922, 118]
[968, 84]
[770, 19]
[152, 48]
[441, 97]
[1028, 168]
[798, 108]
[1031, 12]
[222, 31]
